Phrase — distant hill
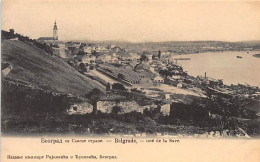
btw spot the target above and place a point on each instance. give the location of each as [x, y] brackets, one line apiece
[183, 47]
[32, 66]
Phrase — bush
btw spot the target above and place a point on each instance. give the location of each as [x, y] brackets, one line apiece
[116, 109]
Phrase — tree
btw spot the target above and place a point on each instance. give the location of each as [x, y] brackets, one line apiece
[94, 97]
[108, 87]
[94, 53]
[82, 67]
[165, 73]
[159, 54]
[116, 109]
[223, 110]
[118, 86]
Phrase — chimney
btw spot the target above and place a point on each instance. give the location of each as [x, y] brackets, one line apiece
[205, 75]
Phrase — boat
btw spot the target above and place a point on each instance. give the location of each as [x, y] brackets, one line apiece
[239, 57]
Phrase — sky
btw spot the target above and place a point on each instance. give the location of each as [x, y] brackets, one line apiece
[135, 21]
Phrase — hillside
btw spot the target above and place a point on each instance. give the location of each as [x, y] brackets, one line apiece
[32, 66]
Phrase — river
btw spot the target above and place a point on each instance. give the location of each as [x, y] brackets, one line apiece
[224, 65]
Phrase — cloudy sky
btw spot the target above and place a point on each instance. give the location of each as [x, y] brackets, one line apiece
[134, 20]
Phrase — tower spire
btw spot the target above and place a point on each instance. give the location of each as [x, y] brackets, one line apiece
[55, 31]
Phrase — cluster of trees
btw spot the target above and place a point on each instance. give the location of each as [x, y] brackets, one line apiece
[225, 111]
[21, 99]
[118, 86]
[165, 73]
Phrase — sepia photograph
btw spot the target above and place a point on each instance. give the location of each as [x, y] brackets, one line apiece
[130, 68]
[130, 80]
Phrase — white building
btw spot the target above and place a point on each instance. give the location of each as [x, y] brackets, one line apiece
[158, 79]
[152, 69]
[179, 85]
[165, 109]
[134, 56]
[150, 58]
[175, 77]
[88, 49]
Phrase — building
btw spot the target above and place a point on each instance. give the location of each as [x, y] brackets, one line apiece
[150, 58]
[72, 45]
[88, 49]
[134, 56]
[101, 48]
[167, 96]
[174, 77]
[165, 109]
[125, 58]
[86, 59]
[53, 38]
[152, 69]
[105, 58]
[158, 79]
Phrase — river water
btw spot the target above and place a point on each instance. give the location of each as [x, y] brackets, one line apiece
[224, 65]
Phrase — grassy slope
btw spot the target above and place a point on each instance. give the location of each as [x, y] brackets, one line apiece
[35, 67]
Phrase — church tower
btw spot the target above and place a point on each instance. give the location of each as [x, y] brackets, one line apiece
[55, 31]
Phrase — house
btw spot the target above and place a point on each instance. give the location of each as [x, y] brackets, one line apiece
[114, 55]
[134, 62]
[179, 85]
[100, 60]
[101, 48]
[175, 77]
[165, 109]
[125, 58]
[103, 58]
[167, 96]
[152, 69]
[81, 108]
[88, 49]
[86, 59]
[114, 58]
[106, 58]
[134, 56]
[150, 58]
[158, 79]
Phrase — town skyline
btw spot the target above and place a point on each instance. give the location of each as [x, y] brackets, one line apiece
[132, 21]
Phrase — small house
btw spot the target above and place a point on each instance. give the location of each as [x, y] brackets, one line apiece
[158, 79]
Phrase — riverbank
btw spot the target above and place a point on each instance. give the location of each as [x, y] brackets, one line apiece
[224, 65]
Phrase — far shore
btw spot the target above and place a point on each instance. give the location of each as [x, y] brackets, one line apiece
[216, 52]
